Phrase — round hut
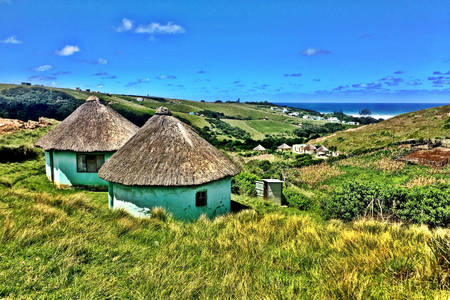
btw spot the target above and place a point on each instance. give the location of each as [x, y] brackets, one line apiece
[78, 146]
[259, 148]
[284, 147]
[167, 164]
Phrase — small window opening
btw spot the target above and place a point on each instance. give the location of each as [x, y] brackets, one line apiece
[200, 198]
[89, 163]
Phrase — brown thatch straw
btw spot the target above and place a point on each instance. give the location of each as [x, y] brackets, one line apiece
[259, 148]
[91, 127]
[284, 147]
[309, 147]
[167, 152]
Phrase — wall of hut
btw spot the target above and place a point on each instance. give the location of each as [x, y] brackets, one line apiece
[179, 201]
[65, 170]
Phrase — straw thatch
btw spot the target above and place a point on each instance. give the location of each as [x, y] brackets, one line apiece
[259, 148]
[167, 152]
[322, 149]
[91, 127]
[310, 147]
[284, 147]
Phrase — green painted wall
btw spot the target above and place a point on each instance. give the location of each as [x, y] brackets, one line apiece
[65, 170]
[179, 201]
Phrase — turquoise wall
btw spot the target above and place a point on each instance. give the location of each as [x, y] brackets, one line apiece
[65, 170]
[179, 201]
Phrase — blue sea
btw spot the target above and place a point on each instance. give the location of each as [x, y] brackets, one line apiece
[378, 110]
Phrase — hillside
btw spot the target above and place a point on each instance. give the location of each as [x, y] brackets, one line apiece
[423, 124]
[245, 124]
[68, 244]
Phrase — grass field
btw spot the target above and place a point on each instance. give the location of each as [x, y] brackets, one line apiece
[68, 244]
[425, 124]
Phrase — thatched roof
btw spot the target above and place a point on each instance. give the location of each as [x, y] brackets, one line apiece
[91, 127]
[259, 148]
[284, 147]
[310, 147]
[322, 149]
[167, 152]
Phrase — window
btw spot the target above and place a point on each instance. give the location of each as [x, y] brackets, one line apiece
[200, 198]
[89, 163]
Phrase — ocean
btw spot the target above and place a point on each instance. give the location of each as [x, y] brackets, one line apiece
[378, 110]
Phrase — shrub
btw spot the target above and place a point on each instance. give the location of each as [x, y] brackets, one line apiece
[428, 204]
[357, 199]
[17, 153]
[244, 184]
[297, 200]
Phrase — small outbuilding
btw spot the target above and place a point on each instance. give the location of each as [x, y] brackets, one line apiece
[259, 148]
[284, 147]
[270, 189]
[167, 164]
[78, 146]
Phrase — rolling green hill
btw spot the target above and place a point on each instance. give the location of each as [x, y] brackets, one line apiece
[258, 120]
[423, 124]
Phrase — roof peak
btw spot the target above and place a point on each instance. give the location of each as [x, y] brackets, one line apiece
[163, 111]
[92, 98]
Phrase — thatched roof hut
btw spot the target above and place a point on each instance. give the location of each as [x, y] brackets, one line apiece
[310, 147]
[167, 152]
[323, 149]
[259, 148]
[91, 127]
[284, 147]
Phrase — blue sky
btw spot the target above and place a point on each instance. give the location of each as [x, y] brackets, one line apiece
[344, 51]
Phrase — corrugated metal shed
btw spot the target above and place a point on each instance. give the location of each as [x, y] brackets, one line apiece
[270, 189]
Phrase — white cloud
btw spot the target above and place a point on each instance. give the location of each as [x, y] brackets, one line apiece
[157, 28]
[43, 68]
[126, 25]
[102, 61]
[314, 51]
[11, 40]
[67, 50]
[100, 86]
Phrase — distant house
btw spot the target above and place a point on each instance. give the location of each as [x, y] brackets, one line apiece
[167, 164]
[77, 89]
[333, 120]
[306, 117]
[310, 149]
[88, 90]
[191, 113]
[294, 114]
[78, 146]
[26, 83]
[139, 99]
[285, 110]
[352, 123]
[284, 147]
[298, 148]
[259, 148]
[322, 151]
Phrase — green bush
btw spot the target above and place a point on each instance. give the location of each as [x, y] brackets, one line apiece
[297, 200]
[17, 153]
[424, 205]
[244, 184]
[358, 199]
[429, 205]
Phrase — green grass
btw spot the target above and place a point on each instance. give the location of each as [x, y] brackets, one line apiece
[425, 124]
[68, 244]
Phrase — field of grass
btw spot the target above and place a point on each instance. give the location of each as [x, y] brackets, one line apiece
[68, 244]
[425, 124]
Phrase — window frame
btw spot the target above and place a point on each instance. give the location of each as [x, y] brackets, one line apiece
[201, 198]
[92, 157]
